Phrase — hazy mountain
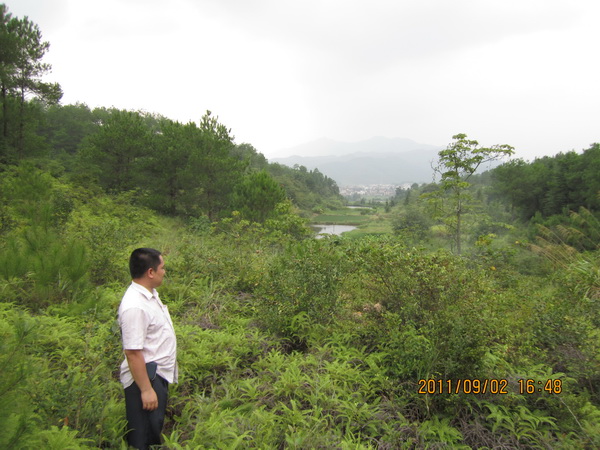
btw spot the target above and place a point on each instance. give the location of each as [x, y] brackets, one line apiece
[375, 161]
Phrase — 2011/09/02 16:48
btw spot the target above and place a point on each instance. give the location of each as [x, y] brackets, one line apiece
[488, 386]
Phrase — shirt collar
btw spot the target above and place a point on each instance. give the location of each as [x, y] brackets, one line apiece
[145, 292]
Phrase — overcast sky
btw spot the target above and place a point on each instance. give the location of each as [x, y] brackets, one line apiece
[281, 73]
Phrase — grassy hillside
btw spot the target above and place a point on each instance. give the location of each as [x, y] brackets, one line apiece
[292, 343]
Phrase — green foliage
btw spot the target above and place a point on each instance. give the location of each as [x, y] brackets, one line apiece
[65, 127]
[437, 431]
[294, 343]
[61, 438]
[56, 372]
[255, 160]
[171, 166]
[216, 166]
[305, 279]
[21, 72]
[457, 163]
[287, 223]
[43, 268]
[30, 197]
[177, 169]
[342, 216]
[116, 149]
[308, 189]
[525, 427]
[412, 223]
[16, 413]
[37, 265]
[551, 185]
[569, 323]
[110, 228]
[430, 307]
[257, 196]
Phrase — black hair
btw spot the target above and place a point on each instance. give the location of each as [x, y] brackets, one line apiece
[141, 260]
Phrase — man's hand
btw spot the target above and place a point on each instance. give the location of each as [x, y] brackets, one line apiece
[137, 365]
[149, 400]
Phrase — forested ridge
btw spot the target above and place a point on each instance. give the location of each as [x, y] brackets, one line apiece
[472, 323]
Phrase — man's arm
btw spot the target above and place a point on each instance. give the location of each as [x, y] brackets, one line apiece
[137, 366]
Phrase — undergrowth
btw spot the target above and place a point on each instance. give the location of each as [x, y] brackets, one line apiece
[297, 343]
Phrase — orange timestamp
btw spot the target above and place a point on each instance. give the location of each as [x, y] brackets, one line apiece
[488, 386]
[550, 385]
[466, 386]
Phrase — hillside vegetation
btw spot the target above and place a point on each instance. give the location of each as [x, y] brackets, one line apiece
[416, 334]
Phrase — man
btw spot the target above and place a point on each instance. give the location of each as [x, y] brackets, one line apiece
[150, 349]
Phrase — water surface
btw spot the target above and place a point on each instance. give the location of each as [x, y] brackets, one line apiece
[336, 230]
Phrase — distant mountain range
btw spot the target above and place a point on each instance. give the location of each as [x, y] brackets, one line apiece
[377, 160]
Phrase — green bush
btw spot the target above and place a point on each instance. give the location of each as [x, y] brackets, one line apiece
[58, 371]
[110, 228]
[428, 300]
[304, 279]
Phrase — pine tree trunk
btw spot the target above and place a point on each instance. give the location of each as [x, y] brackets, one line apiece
[4, 113]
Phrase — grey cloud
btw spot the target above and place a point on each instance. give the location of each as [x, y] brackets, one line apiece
[379, 33]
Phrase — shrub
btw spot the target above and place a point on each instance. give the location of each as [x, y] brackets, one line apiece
[428, 300]
[304, 279]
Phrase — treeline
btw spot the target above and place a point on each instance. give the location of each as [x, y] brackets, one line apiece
[190, 170]
[546, 186]
[514, 195]
[550, 185]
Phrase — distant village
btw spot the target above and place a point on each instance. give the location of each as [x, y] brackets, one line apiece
[372, 191]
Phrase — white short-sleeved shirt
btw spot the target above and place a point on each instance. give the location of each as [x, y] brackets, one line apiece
[146, 325]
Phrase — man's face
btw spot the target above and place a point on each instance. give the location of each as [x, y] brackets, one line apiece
[158, 274]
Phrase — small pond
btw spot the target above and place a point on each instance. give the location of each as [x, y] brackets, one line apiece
[332, 229]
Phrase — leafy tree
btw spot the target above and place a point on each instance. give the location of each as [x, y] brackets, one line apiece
[65, 126]
[21, 72]
[590, 162]
[30, 69]
[171, 186]
[304, 280]
[212, 162]
[115, 150]
[456, 164]
[190, 170]
[256, 196]
[307, 189]
[247, 152]
[287, 223]
[8, 59]
[411, 222]
[523, 185]
[550, 185]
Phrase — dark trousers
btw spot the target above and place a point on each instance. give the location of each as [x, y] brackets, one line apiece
[145, 427]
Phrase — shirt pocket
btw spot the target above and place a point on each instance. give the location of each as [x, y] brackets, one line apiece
[157, 323]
